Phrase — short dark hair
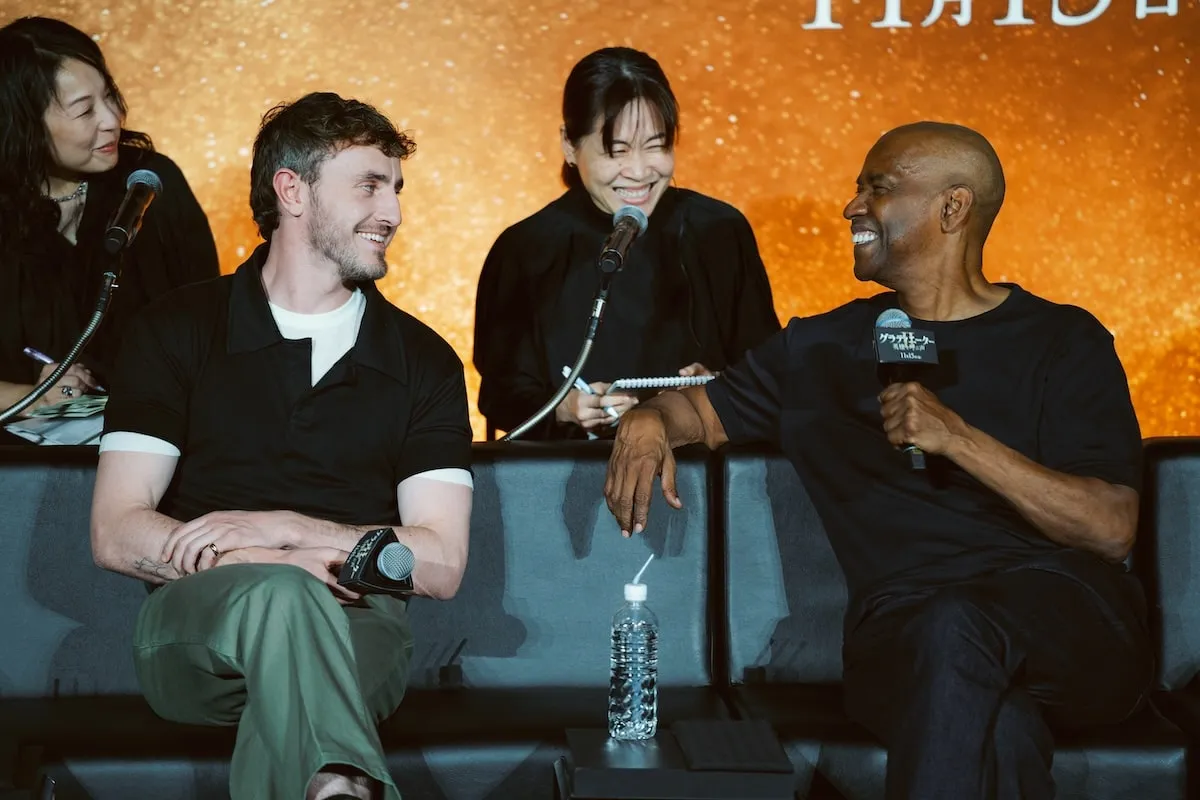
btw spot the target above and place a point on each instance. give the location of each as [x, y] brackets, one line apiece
[303, 135]
[601, 85]
[32, 51]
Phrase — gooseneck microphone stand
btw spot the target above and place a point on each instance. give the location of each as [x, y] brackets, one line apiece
[628, 223]
[109, 283]
[141, 187]
[598, 304]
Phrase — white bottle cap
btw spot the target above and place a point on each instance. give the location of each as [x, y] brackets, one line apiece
[635, 593]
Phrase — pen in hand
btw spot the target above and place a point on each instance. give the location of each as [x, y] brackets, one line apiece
[582, 386]
[42, 358]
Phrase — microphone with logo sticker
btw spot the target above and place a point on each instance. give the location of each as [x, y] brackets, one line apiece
[901, 353]
[379, 564]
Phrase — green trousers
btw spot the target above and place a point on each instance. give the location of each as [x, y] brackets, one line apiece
[267, 648]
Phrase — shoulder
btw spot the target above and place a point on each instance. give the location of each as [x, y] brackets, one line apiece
[188, 310]
[135, 158]
[851, 318]
[1068, 324]
[550, 220]
[705, 210]
[710, 221]
[425, 350]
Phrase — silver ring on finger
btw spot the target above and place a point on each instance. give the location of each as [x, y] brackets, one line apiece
[68, 391]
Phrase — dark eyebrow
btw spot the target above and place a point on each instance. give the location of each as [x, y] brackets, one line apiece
[874, 177]
[82, 98]
[651, 139]
[369, 175]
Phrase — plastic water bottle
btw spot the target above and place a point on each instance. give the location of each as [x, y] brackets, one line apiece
[633, 686]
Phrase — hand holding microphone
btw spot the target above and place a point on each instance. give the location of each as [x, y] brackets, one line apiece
[917, 422]
[379, 564]
[913, 418]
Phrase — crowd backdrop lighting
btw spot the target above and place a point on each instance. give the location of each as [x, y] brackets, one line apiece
[1093, 106]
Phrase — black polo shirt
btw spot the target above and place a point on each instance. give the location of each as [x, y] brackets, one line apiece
[1042, 378]
[206, 369]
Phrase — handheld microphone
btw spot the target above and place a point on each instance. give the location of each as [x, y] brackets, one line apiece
[379, 564]
[628, 223]
[140, 190]
[899, 349]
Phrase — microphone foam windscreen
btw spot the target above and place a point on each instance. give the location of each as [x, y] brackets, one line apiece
[396, 561]
[893, 318]
[634, 213]
[145, 176]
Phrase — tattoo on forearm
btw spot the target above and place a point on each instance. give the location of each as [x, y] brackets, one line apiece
[160, 570]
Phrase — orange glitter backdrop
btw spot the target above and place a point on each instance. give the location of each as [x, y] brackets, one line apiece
[1096, 124]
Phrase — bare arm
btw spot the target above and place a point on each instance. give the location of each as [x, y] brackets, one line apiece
[643, 446]
[689, 418]
[437, 517]
[10, 393]
[1086, 513]
[128, 534]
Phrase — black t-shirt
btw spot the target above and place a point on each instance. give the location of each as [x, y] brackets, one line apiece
[1042, 378]
[206, 369]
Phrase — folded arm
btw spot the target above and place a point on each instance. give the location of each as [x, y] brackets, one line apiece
[437, 520]
[128, 533]
[436, 514]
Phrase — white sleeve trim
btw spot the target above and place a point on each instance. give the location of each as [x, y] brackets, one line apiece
[447, 475]
[129, 442]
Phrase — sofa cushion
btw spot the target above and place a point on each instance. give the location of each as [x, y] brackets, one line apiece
[543, 580]
[785, 593]
[477, 743]
[1143, 757]
[546, 572]
[1167, 555]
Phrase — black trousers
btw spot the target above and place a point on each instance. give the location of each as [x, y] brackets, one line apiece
[963, 683]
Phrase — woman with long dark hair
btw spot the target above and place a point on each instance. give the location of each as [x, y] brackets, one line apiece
[64, 158]
[692, 297]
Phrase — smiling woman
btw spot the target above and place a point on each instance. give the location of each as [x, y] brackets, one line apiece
[692, 298]
[64, 159]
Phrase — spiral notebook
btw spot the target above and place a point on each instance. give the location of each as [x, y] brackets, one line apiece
[667, 382]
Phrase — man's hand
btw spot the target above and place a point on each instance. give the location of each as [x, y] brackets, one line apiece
[913, 415]
[188, 547]
[323, 563]
[641, 452]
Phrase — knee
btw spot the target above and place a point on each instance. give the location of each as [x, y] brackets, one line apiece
[281, 590]
[952, 630]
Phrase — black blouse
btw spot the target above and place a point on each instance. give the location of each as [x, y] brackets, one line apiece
[693, 289]
[49, 287]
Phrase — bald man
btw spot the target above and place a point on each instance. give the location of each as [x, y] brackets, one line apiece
[988, 601]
